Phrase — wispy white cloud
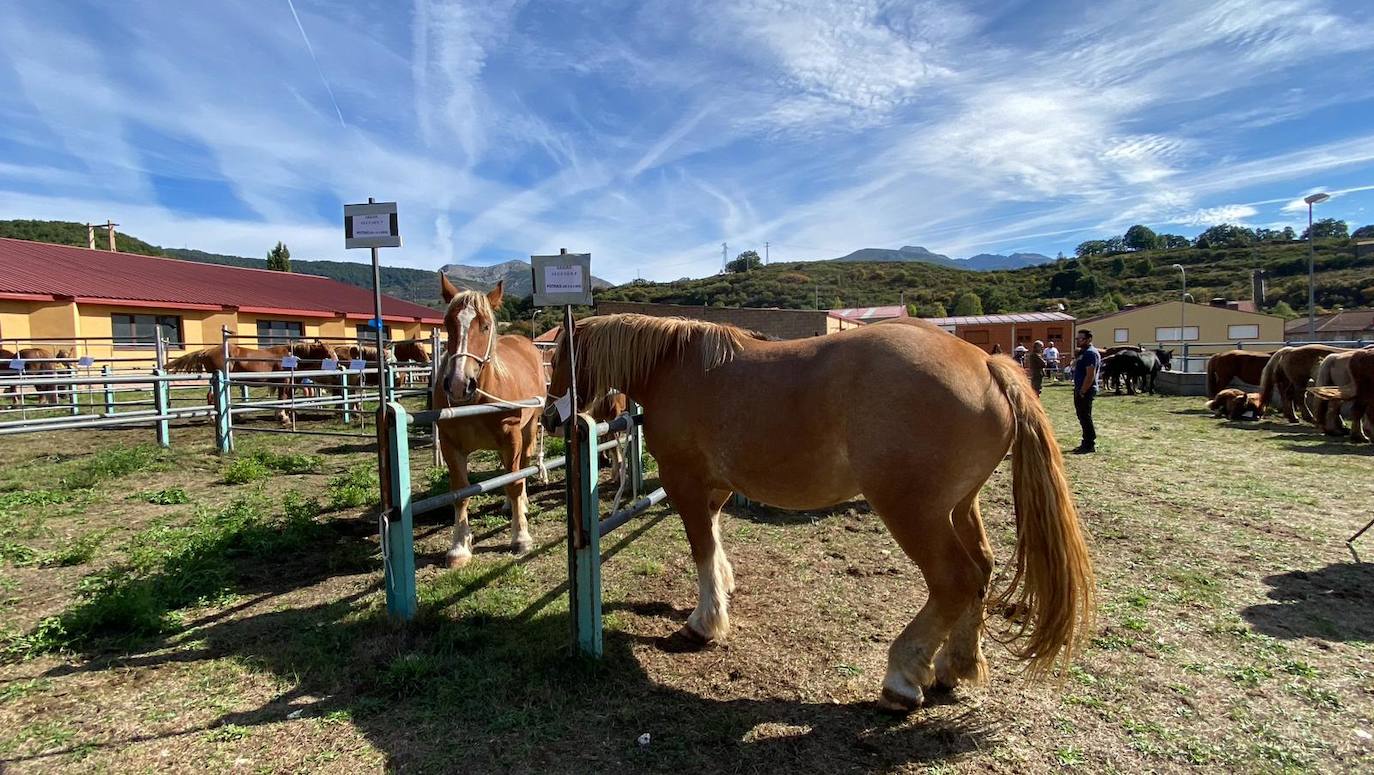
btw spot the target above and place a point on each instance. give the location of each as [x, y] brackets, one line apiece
[1208, 216]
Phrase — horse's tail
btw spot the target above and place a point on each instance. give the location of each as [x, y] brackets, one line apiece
[1332, 393]
[1212, 377]
[200, 360]
[1269, 378]
[1052, 590]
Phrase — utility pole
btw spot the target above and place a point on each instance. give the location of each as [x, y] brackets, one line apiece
[90, 237]
[724, 251]
[110, 227]
[765, 254]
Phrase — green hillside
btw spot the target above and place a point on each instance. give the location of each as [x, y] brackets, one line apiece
[69, 233]
[1084, 286]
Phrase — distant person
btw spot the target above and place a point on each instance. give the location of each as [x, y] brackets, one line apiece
[1052, 361]
[1035, 364]
[1085, 368]
[996, 349]
[1019, 353]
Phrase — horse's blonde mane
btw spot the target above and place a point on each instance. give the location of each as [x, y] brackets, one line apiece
[478, 301]
[616, 351]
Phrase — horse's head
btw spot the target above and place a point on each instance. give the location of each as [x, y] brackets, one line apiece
[560, 382]
[470, 329]
[1166, 359]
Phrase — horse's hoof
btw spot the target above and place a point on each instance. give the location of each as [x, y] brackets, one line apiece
[522, 547]
[457, 559]
[685, 640]
[890, 701]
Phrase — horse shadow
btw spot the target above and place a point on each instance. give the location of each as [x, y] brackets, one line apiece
[502, 690]
[1334, 603]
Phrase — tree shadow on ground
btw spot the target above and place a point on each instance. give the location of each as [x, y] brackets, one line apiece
[1334, 603]
[483, 680]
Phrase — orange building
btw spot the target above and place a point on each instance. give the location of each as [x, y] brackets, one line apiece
[1012, 329]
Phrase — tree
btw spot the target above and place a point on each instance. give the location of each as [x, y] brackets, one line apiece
[1088, 286]
[1141, 267]
[1226, 236]
[279, 258]
[1284, 310]
[934, 310]
[1173, 241]
[968, 304]
[1092, 247]
[1289, 234]
[1329, 228]
[1109, 304]
[744, 262]
[1115, 245]
[1117, 266]
[1364, 232]
[1139, 237]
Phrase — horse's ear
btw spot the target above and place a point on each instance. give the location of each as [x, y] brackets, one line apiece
[446, 287]
[494, 298]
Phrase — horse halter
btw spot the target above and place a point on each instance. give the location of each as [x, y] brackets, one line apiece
[482, 360]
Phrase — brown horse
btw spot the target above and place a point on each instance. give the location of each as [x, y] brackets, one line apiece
[1245, 365]
[604, 409]
[1359, 388]
[39, 362]
[1334, 371]
[479, 367]
[912, 418]
[241, 360]
[1288, 372]
[411, 352]
[346, 353]
[6, 357]
[1234, 404]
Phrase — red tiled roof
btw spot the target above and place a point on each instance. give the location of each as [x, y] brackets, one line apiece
[38, 269]
[1354, 320]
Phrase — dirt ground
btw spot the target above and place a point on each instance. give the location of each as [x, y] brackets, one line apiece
[155, 616]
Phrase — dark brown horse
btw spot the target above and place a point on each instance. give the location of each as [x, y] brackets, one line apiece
[411, 352]
[914, 419]
[1245, 365]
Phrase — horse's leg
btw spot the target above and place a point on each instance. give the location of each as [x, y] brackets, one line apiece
[954, 578]
[457, 461]
[700, 512]
[513, 453]
[1357, 412]
[962, 658]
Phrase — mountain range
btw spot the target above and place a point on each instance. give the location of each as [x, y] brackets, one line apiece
[983, 262]
[519, 280]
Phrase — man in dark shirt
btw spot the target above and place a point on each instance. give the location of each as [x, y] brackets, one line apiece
[1085, 368]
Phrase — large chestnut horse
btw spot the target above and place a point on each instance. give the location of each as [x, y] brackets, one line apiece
[1359, 387]
[479, 367]
[1288, 372]
[250, 360]
[914, 419]
[1245, 365]
[1335, 371]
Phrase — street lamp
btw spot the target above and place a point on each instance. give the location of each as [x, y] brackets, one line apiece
[1182, 308]
[1313, 199]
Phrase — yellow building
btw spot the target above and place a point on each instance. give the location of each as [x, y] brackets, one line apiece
[1206, 328]
[112, 305]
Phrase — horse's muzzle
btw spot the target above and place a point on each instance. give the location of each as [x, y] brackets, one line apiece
[549, 418]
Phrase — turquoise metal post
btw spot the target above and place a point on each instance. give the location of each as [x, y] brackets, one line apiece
[586, 571]
[396, 525]
[343, 393]
[636, 453]
[109, 390]
[219, 388]
[162, 403]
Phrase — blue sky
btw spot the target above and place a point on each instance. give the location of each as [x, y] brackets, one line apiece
[650, 132]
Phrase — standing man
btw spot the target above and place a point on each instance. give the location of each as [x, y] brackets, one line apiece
[1085, 368]
[1035, 365]
[1052, 362]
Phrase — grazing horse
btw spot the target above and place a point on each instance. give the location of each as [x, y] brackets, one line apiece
[1334, 371]
[1234, 404]
[479, 367]
[38, 361]
[1288, 372]
[1245, 365]
[912, 418]
[241, 360]
[1166, 358]
[1360, 388]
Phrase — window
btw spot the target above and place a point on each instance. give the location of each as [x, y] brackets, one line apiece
[1242, 332]
[1023, 337]
[1120, 335]
[272, 332]
[1054, 335]
[1170, 334]
[366, 336]
[976, 336]
[142, 330]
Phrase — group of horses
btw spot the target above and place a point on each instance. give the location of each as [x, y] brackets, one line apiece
[914, 419]
[1134, 367]
[1308, 382]
[311, 356]
[38, 362]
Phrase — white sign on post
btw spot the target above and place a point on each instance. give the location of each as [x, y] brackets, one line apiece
[371, 226]
[562, 279]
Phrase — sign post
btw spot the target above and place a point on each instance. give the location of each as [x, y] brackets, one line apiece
[566, 279]
[374, 225]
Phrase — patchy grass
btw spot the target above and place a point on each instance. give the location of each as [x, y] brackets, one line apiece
[1235, 632]
[261, 464]
[167, 496]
